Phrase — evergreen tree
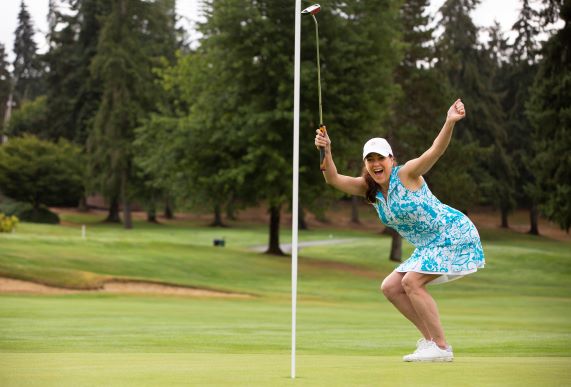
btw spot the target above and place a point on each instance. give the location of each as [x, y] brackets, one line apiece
[5, 87]
[28, 69]
[516, 77]
[130, 46]
[471, 69]
[73, 94]
[548, 111]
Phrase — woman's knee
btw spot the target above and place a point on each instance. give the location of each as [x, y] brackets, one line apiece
[409, 283]
[390, 288]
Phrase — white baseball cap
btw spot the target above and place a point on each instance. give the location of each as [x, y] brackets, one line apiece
[377, 145]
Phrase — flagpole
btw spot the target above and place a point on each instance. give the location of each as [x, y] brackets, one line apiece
[295, 194]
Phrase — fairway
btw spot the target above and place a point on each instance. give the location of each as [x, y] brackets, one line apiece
[509, 324]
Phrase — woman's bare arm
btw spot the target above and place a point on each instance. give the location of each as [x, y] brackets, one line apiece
[415, 168]
[347, 184]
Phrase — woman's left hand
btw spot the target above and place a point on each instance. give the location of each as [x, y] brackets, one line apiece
[456, 111]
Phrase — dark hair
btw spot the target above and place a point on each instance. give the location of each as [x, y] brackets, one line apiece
[372, 187]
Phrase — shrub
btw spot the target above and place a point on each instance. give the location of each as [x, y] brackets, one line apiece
[39, 215]
[41, 172]
[8, 223]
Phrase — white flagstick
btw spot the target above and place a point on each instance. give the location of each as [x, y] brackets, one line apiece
[295, 181]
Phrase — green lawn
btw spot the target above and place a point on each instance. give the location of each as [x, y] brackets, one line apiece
[510, 324]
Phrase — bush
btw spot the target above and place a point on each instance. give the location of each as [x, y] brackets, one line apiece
[41, 172]
[8, 223]
[30, 118]
[39, 215]
[11, 207]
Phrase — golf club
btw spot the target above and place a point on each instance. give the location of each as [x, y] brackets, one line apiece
[313, 10]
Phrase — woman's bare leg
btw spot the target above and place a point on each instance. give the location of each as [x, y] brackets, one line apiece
[414, 285]
[393, 290]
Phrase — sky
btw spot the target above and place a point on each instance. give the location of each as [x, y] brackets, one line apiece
[504, 11]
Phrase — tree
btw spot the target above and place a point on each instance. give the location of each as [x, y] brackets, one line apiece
[29, 119]
[470, 69]
[548, 111]
[420, 102]
[358, 92]
[73, 95]
[130, 45]
[515, 78]
[28, 69]
[41, 172]
[186, 149]
[250, 45]
[5, 86]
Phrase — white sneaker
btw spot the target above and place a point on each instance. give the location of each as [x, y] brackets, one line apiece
[429, 351]
[420, 344]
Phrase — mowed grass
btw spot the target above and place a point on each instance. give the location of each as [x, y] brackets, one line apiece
[510, 324]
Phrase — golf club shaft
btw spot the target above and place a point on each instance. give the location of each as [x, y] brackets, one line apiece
[318, 71]
[321, 125]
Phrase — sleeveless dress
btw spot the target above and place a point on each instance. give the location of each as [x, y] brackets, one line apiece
[447, 242]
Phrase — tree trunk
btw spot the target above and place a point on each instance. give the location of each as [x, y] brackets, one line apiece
[152, 214]
[217, 222]
[274, 246]
[504, 214]
[533, 219]
[127, 214]
[230, 211]
[168, 209]
[301, 218]
[355, 209]
[113, 215]
[128, 221]
[396, 245]
[82, 205]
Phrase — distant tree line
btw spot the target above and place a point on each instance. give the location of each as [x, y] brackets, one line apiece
[159, 122]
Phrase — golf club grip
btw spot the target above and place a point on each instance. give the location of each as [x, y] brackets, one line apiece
[323, 130]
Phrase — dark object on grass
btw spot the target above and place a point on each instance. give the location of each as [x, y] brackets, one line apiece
[219, 242]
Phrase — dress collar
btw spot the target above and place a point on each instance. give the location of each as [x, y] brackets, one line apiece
[393, 180]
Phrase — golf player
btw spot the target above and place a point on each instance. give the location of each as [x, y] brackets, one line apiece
[447, 243]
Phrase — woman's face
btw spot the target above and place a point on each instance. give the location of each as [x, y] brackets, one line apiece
[379, 167]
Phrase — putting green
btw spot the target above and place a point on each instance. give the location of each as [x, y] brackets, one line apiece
[162, 369]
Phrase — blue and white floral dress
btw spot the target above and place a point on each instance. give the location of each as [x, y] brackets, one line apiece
[447, 242]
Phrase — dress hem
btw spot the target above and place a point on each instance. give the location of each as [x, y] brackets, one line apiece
[441, 277]
[454, 273]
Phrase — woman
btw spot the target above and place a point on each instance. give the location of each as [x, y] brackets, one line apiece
[447, 242]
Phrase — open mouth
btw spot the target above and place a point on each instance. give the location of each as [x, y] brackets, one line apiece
[378, 171]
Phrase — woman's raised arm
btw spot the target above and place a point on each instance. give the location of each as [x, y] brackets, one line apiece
[415, 168]
[347, 184]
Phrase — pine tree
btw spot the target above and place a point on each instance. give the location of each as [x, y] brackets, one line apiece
[28, 69]
[73, 94]
[548, 111]
[5, 87]
[471, 69]
[515, 78]
[130, 46]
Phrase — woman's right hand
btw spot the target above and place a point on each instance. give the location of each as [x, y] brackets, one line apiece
[322, 140]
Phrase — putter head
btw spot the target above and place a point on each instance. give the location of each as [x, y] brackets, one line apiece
[311, 10]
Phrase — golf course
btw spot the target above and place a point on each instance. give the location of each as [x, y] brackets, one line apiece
[510, 323]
